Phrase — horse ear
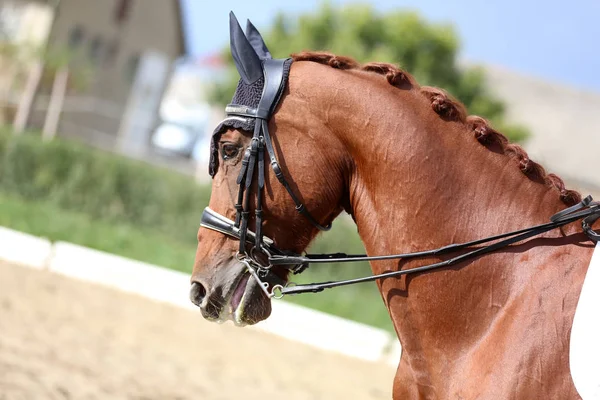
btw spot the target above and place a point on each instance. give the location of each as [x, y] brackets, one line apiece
[246, 60]
[257, 41]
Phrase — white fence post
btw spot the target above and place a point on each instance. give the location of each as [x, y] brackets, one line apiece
[57, 99]
[26, 102]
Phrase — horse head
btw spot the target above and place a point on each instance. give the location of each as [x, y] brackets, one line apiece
[311, 166]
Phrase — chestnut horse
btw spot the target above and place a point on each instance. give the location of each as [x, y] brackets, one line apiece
[414, 172]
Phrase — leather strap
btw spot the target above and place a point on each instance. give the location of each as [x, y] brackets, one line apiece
[274, 85]
[560, 219]
[300, 207]
[584, 203]
[587, 227]
[215, 221]
[240, 111]
[587, 211]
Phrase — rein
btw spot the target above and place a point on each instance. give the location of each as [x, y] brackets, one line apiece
[588, 211]
[263, 247]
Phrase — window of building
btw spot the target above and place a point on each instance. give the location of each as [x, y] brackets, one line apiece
[96, 48]
[112, 51]
[75, 36]
[131, 67]
[123, 10]
[11, 17]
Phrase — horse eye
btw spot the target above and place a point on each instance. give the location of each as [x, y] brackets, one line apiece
[229, 151]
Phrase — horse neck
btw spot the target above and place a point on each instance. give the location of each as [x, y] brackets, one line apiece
[420, 182]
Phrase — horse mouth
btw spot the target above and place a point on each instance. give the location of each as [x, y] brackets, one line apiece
[238, 293]
[246, 303]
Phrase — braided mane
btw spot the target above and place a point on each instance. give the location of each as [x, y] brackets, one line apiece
[451, 110]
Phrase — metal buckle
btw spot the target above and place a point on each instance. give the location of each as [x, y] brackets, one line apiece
[587, 223]
[254, 270]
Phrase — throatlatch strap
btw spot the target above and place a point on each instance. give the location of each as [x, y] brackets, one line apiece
[279, 174]
[259, 193]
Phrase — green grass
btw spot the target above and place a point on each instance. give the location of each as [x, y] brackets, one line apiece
[361, 302]
[56, 224]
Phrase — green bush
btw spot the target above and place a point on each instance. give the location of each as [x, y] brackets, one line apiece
[3, 142]
[102, 185]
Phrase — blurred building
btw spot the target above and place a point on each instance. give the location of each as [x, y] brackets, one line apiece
[564, 123]
[188, 117]
[24, 27]
[120, 59]
[25, 22]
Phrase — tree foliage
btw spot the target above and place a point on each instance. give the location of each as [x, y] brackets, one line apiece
[426, 50]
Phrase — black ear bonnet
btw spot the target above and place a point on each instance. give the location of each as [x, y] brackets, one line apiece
[250, 54]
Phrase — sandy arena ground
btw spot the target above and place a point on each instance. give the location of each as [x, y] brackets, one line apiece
[65, 339]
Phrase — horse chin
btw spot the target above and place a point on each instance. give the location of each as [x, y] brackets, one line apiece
[247, 303]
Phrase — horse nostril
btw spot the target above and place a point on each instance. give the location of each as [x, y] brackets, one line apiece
[197, 293]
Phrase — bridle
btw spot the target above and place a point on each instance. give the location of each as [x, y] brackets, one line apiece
[263, 248]
[253, 163]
